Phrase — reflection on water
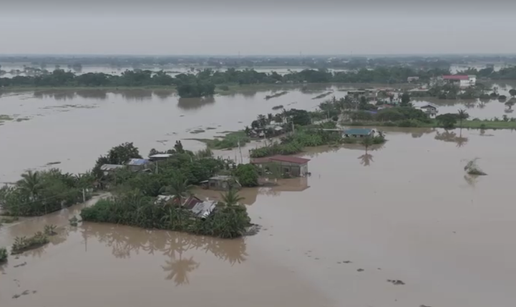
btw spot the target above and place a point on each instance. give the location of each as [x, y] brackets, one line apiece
[452, 137]
[366, 159]
[471, 180]
[194, 103]
[179, 269]
[127, 241]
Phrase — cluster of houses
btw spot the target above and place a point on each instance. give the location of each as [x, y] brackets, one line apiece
[290, 166]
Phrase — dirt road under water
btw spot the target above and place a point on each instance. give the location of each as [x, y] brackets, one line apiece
[405, 212]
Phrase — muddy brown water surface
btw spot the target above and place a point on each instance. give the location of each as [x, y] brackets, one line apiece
[405, 211]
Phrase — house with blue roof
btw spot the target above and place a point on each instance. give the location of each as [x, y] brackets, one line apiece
[357, 132]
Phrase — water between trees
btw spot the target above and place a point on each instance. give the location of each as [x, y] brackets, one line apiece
[405, 211]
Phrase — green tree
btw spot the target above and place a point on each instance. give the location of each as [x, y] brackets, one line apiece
[231, 197]
[247, 175]
[512, 92]
[448, 120]
[30, 184]
[366, 142]
[405, 100]
[179, 187]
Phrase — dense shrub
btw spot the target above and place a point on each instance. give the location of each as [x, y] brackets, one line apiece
[3, 255]
[247, 175]
[22, 244]
[135, 209]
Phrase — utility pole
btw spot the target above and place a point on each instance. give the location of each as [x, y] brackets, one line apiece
[83, 195]
[240, 150]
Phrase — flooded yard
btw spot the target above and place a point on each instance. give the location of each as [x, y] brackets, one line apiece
[399, 225]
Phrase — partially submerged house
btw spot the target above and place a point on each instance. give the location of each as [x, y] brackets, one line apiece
[221, 182]
[290, 166]
[429, 109]
[200, 208]
[138, 165]
[357, 132]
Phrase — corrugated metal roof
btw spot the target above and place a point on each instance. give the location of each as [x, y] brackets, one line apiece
[160, 156]
[137, 162]
[109, 167]
[291, 159]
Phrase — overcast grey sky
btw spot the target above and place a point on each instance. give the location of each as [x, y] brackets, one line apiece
[256, 27]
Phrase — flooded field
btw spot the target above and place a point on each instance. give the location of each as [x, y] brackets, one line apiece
[399, 225]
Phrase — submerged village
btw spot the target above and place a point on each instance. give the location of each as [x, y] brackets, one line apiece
[177, 197]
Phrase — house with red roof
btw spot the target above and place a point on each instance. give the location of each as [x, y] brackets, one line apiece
[460, 80]
[290, 166]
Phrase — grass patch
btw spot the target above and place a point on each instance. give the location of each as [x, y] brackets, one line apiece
[9, 219]
[5, 117]
[229, 141]
[23, 244]
[466, 124]
[3, 255]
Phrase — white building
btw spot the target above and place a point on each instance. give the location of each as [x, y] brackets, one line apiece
[461, 80]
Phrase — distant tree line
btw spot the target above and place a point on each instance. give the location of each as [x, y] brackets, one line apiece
[203, 82]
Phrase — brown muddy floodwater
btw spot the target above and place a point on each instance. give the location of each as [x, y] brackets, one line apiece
[404, 211]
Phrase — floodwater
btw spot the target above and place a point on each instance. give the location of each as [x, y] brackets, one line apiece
[404, 211]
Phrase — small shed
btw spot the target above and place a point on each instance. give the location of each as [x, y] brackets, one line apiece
[358, 132]
[137, 165]
[290, 166]
[221, 182]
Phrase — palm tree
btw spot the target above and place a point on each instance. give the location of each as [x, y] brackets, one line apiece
[462, 115]
[367, 141]
[231, 197]
[30, 184]
[179, 187]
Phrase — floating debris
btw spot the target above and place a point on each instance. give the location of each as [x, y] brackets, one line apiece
[360, 270]
[275, 95]
[53, 163]
[196, 131]
[395, 281]
[277, 107]
[472, 168]
[21, 264]
[347, 261]
[322, 95]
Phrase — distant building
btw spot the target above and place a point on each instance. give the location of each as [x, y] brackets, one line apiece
[430, 109]
[159, 157]
[460, 80]
[290, 166]
[412, 79]
[137, 165]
